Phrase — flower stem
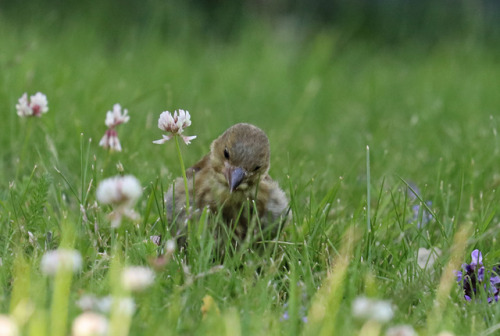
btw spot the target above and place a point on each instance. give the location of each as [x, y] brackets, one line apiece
[25, 145]
[183, 175]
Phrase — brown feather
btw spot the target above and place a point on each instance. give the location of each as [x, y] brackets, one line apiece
[244, 146]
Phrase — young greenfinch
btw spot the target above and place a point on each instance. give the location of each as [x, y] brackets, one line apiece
[232, 181]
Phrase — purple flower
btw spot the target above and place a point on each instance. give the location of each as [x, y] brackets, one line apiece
[285, 316]
[420, 214]
[302, 310]
[413, 191]
[472, 278]
[425, 218]
[302, 314]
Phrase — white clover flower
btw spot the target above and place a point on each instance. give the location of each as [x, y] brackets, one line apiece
[137, 278]
[174, 124]
[89, 324]
[427, 257]
[370, 309]
[37, 105]
[115, 117]
[401, 330]
[92, 302]
[119, 190]
[7, 326]
[87, 302]
[125, 305]
[382, 311]
[23, 107]
[170, 246]
[360, 306]
[55, 260]
[104, 304]
[110, 140]
[122, 192]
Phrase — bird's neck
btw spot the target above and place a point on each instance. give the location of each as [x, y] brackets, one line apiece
[237, 197]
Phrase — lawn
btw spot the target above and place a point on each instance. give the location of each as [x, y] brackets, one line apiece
[382, 149]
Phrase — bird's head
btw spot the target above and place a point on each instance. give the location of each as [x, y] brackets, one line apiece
[240, 156]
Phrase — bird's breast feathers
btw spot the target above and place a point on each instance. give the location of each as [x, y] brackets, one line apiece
[213, 191]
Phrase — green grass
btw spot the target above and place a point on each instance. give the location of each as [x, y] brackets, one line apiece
[428, 112]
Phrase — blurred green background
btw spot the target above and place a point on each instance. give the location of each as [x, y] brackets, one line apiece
[384, 20]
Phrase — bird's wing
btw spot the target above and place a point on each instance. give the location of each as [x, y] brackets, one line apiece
[198, 166]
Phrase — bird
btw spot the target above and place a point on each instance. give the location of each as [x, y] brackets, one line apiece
[232, 181]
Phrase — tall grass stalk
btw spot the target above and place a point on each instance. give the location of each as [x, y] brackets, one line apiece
[121, 316]
[368, 192]
[60, 302]
[448, 279]
[21, 281]
[322, 316]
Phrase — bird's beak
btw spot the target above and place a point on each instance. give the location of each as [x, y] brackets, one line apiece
[234, 177]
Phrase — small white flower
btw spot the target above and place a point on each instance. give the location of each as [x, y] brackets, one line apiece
[7, 326]
[174, 124]
[122, 192]
[119, 190]
[55, 260]
[115, 117]
[23, 108]
[382, 311]
[427, 257]
[170, 246]
[401, 330]
[110, 140]
[370, 309]
[137, 278]
[87, 302]
[39, 104]
[89, 324]
[91, 302]
[360, 305]
[105, 304]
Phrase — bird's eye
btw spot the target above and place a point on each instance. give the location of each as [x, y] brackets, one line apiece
[256, 168]
[226, 153]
